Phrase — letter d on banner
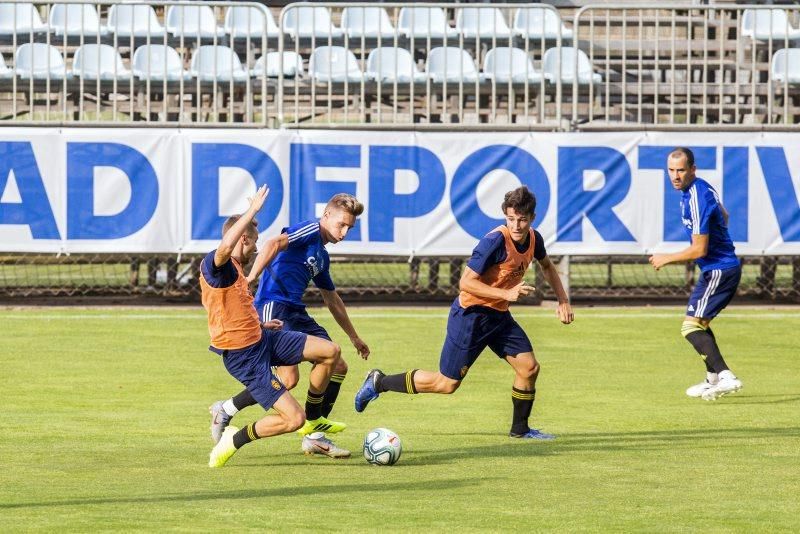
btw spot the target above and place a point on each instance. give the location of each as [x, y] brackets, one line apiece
[82, 158]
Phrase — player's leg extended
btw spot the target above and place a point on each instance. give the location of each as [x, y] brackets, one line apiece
[523, 394]
[325, 356]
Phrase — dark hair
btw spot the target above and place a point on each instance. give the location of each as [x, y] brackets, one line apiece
[686, 152]
[348, 203]
[230, 221]
[521, 199]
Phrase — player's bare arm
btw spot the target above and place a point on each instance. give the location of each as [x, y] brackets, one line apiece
[337, 308]
[550, 272]
[725, 214]
[232, 236]
[265, 256]
[472, 283]
[698, 249]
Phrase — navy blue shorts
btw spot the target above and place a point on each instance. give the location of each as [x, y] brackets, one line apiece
[713, 292]
[471, 330]
[294, 318]
[252, 365]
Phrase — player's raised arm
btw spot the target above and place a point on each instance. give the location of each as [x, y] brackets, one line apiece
[339, 311]
[234, 233]
[265, 256]
[550, 273]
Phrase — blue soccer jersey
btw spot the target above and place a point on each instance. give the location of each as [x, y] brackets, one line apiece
[305, 259]
[701, 211]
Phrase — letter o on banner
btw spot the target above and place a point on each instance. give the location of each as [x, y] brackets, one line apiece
[464, 188]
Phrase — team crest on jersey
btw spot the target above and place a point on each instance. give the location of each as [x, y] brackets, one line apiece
[275, 384]
[464, 371]
[314, 265]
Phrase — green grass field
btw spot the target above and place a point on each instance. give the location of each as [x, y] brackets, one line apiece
[105, 427]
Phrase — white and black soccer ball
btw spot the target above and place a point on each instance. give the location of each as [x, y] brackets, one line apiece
[382, 447]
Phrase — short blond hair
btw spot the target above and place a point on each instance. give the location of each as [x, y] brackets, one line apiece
[345, 202]
[252, 228]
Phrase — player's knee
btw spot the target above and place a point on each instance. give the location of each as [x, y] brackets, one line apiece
[529, 370]
[295, 420]
[290, 382]
[341, 366]
[447, 386]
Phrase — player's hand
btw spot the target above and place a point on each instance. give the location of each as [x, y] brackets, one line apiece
[658, 261]
[272, 324]
[520, 290]
[257, 201]
[564, 313]
[361, 347]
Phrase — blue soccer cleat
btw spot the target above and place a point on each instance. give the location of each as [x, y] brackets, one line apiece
[368, 390]
[533, 434]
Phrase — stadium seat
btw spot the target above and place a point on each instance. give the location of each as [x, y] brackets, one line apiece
[585, 73]
[420, 22]
[40, 61]
[482, 22]
[157, 62]
[309, 21]
[20, 19]
[786, 66]
[503, 64]
[217, 63]
[192, 22]
[760, 24]
[5, 72]
[390, 64]
[98, 62]
[367, 22]
[242, 22]
[539, 23]
[134, 21]
[76, 20]
[270, 65]
[451, 64]
[334, 64]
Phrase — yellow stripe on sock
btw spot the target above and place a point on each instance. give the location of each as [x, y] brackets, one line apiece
[690, 326]
[523, 396]
[314, 400]
[251, 432]
[337, 378]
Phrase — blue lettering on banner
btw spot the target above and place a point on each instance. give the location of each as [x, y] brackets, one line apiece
[384, 161]
[207, 160]
[781, 190]
[82, 223]
[575, 203]
[307, 191]
[464, 188]
[735, 164]
[34, 208]
[655, 157]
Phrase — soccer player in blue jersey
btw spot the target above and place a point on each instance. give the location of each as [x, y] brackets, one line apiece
[290, 261]
[479, 317]
[706, 223]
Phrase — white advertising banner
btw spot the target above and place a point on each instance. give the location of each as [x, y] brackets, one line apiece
[432, 193]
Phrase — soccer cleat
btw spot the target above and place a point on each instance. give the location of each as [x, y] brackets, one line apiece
[321, 425]
[723, 387]
[219, 420]
[533, 434]
[697, 390]
[317, 443]
[223, 450]
[368, 390]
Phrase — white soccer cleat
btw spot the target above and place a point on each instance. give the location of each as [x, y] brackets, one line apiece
[725, 386]
[224, 449]
[317, 443]
[697, 390]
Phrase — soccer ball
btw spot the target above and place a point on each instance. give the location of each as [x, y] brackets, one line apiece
[382, 447]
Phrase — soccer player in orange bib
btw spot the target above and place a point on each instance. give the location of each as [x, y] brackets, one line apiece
[479, 317]
[249, 348]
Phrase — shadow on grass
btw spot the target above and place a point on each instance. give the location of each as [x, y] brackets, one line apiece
[294, 491]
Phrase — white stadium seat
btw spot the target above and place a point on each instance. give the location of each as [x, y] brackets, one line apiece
[334, 64]
[786, 66]
[451, 64]
[157, 62]
[76, 20]
[388, 64]
[367, 22]
[217, 63]
[40, 61]
[306, 21]
[482, 22]
[5, 72]
[242, 22]
[568, 58]
[421, 22]
[192, 22]
[539, 23]
[134, 21]
[503, 64]
[20, 19]
[270, 64]
[761, 24]
[98, 62]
